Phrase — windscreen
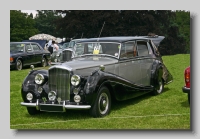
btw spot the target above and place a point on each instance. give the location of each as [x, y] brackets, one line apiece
[16, 48]
[111, 49]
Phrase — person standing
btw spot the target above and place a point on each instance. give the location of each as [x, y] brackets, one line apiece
[55, 46]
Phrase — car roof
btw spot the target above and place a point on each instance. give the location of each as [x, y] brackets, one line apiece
[24, 42]
[114, 39]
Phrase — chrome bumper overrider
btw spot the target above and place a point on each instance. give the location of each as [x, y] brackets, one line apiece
[65, 106]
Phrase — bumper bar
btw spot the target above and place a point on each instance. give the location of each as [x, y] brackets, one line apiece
[64, 106]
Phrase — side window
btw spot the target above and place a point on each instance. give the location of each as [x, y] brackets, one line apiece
[35, 47]
[142, 48]
[128, 50]
[29, 48]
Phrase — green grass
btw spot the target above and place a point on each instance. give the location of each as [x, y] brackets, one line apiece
[170, 110]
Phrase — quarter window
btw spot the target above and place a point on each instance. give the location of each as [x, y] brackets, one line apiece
[128, 50]
[142, 48]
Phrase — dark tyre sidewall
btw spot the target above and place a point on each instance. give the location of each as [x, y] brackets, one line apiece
[32, 110]
[158, 90]
[102, 105]
[189, 98]
[19, 64]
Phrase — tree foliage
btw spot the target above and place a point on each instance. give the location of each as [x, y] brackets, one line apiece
[87, 24]
[21, 26]
[45, 21]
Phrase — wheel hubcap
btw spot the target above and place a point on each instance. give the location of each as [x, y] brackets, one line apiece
[160, 87]
[19, 65]
[103, 103]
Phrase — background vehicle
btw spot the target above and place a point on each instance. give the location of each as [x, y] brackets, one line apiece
[102, 69]
[186, 88]
[27, 53]
[62, 55]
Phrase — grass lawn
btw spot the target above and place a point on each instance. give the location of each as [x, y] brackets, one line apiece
[170, 110]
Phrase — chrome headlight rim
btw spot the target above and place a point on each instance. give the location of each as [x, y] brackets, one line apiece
[39, 78]
[75, 80]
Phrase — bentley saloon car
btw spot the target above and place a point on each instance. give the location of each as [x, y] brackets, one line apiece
[27, 53]
[186, 87]
[101, 70]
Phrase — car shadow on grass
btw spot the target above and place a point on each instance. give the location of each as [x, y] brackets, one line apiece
[117, 105]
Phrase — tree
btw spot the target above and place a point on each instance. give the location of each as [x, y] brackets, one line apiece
[21, 26]
[183, 21]
[123, 23]
[46, 22]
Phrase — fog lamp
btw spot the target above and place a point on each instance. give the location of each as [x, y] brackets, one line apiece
[52, 95]
[29, 96]
[40, 89]
[75, 91]
[77, 98]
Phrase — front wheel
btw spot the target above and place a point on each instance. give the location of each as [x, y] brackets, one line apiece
[44, 62]
[189, 98]
[18, 65]
[159, 89]
[102, 103]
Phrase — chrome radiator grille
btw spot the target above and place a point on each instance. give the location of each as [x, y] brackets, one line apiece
[59, 81]
[66, 55]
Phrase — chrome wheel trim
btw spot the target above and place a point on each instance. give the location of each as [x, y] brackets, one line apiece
[19, 65]
[44, 62]
[103, 103]
[160, 87]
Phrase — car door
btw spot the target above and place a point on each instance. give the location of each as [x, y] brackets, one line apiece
[38, 53]
[146, 61]
[129, 65]
[30, 55]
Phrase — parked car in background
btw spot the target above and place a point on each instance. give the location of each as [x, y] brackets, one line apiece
[186, 87]
[101, 69]
[61, 55]
[40, 42]
[27, 53]
[66, 45]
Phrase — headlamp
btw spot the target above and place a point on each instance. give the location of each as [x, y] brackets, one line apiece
[75, 80]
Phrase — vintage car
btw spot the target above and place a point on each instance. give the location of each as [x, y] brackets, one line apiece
[60, 55]
[186, 88]
[27, 53]
[102, 70]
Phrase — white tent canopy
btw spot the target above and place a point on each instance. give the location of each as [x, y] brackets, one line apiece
[42, 37]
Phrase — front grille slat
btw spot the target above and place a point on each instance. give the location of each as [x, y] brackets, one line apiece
[59, 81]
[66, 55]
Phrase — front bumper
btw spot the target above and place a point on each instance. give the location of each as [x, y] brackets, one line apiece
[185, 89]
[54, 107]
[12, 65]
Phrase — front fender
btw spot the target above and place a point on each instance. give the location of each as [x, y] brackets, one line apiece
[29, 84]
[93, 84]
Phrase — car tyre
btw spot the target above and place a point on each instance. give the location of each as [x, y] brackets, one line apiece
[44, 62]
[159, 89]
[102, 104]
[19, 64]
[32, 110]
[189, 98]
